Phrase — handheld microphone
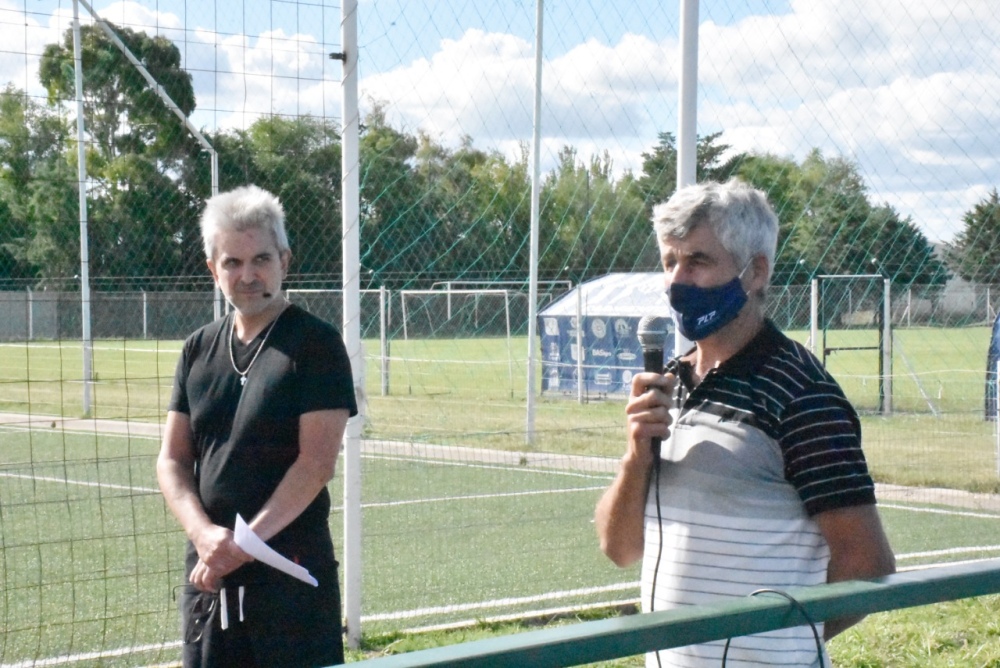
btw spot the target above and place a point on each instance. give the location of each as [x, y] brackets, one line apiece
[652, 334]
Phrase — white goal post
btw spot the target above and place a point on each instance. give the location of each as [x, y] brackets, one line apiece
[425, 313]
[449, 295]
[85, 301]
[320, 302]
[480, 316]
[882, 317]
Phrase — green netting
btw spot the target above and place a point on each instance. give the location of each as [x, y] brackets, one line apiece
[871, 126]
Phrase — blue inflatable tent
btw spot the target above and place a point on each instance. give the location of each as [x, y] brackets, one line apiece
[606, 350]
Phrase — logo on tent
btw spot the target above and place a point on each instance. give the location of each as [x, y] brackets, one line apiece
[598, 327]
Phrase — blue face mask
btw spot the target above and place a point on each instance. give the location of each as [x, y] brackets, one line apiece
[702, 312]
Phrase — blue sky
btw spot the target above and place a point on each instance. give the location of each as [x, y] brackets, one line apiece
[907, 89]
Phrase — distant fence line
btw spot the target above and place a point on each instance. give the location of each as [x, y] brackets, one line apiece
[27, 315]
[46, 315]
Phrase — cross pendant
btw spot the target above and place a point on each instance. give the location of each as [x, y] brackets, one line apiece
[243, 381]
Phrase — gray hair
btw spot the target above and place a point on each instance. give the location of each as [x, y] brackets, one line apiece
[242, 209]
[737, 213]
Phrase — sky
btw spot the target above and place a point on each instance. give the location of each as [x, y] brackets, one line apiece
[909, 90]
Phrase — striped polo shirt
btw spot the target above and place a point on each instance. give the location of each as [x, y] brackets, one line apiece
[765, 442]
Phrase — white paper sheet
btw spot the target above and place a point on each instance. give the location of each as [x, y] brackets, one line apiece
[251, 543]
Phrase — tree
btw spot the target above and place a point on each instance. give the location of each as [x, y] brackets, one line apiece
[392, 226]
[828, 225]
[32, 141]
[122, 113]
[140, 217]
[503, 232]
[900, 251]
[298, 159]
[591, 224]
[659, 171]
[565, 240]
[475, 210]
[448, 214]
[53, 245]
[975, 254]
[782, 180]
[659, 167]
[137, 224]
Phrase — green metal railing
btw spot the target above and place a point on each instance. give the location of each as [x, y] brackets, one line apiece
[635, 634]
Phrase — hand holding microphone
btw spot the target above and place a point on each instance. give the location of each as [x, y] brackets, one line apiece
[648, 408]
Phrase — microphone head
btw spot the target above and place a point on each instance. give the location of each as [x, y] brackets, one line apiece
[652, 332]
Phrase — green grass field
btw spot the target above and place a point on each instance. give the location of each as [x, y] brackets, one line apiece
[472, 392]
[90, 555]
[956, 634]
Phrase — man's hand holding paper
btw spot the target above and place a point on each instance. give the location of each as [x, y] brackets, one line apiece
[251, 543]
[218, 556]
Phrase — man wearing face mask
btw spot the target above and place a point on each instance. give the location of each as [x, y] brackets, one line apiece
[761, 482]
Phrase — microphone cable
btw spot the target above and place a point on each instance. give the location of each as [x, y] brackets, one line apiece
[802, 611]
[673, 366]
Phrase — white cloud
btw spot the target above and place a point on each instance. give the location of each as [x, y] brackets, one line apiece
[236, 78]
[23, 38]
[479, 84]
[906, 88]
[598, 97]
[239, 79]
[137, 17]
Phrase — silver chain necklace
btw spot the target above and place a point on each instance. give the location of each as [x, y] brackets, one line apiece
[232, 345]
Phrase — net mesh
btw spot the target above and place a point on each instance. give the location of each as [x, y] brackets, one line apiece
[870, 127]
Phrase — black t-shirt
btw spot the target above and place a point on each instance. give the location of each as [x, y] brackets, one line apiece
[246, 437]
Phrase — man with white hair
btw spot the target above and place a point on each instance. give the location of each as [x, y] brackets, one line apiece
[760, 482]
[260, 402]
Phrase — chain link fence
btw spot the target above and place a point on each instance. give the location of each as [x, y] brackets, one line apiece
[869, 126]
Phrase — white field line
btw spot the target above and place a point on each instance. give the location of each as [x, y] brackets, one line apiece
[520, 616]
[89, 656]
[579, 465]
[80, 483]
[405, 502]
[522, 461]
[500, 602]
[427, 612]
[940, 511]
[96, 346]
[972, 549]
[470, 497]
[138, 430]
[560, 462]
[473, 497]
[626, 586]
[382, 504]
[423, 612]
[416, 451]
[495, 467]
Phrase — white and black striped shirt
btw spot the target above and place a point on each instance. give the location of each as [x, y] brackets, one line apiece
[765, 442]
